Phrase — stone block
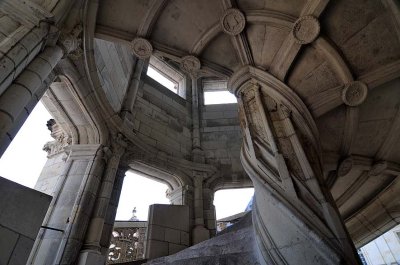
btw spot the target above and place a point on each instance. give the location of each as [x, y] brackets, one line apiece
[172, 235]
[18, 54]
[156, 232]
[155, 249]
[7, 67]
[172, 216]
[185, 238]
[8, 240]
[22, 209]
[21, 251]
[174, 248]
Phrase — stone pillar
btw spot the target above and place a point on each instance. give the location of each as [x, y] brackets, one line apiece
[73, 200]
[16, 100]
[183, 196]
[112, 210]
[130, 97]
[91, 250]
[28, 28]
[294, 216]
[199, 232]
[197, 151]
[209, 211]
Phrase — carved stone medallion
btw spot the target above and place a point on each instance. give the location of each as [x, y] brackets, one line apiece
[141, 48]
[345, 167]
[354, 93]
[233, 21]
[306, 29]
[190, 64]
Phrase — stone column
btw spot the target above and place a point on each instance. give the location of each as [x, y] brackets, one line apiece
[73, 200]
[130, 97]
[209, 211]
[197, 151]
[28, 33]
[15, 101]
[199, 232]
[112, 210]
[91, 250]
[294, 217]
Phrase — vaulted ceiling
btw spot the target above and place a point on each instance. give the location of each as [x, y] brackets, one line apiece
[357, 44]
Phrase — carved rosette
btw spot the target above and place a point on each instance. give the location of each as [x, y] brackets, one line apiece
[345, 167]
[306, 29]
[141, 48]
[354, 93]
[233, 21]
[190, 64]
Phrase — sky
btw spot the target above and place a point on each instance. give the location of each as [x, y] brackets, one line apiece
[218, 97]
[24, 159]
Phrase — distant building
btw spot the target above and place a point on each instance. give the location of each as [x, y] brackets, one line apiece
[384, 250]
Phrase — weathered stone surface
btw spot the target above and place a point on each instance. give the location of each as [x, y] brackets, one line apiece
[339, 88]
[21, 214]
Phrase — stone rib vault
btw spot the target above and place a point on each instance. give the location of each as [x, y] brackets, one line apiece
[315, 130]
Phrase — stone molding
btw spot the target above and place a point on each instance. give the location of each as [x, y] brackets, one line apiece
[306, 29]
[141, 48]
[246, 76]
[354, 93]
[27, 12]
[233, 21]
[378, 168]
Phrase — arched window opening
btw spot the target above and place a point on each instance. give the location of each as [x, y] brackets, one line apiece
[231, 205]
[129, 231]
[167, 75]
[24, 158]
[216, 92]
[139, 192]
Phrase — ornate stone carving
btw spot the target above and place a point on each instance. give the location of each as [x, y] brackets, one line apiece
[345, 167]
[61, 139]
[71, 42]
[233, 21]
[354, 93]
[141, 48]
[378, 168]
[306, 29]
[190, 64]
[127, 244]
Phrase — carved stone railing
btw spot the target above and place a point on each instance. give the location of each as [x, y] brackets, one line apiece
[127, 242]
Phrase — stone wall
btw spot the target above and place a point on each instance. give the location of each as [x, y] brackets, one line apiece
[221, 140]
[162, 119]
[21, 214]
[114, 66]
[167, 230]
